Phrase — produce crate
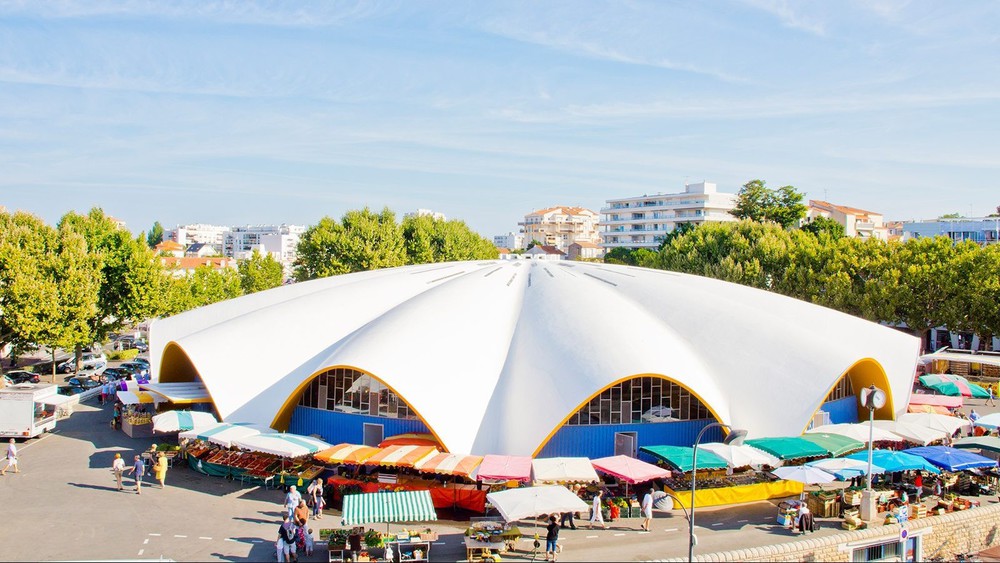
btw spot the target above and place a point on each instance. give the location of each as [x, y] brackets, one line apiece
[823, 506]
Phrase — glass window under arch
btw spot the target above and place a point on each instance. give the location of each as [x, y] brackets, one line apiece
[351, 391]
[641, 400]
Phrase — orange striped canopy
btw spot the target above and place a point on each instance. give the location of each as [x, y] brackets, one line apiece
[346, 453]
[934, 409]
[412, 439]
[450, 464]
[401, 456]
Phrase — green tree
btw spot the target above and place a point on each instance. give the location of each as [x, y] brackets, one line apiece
[927, 283]
[756, 202]
[155, 235]
[826, 225]
[680, 230]
[620, 255]
[208, 285]
[432, 240]
[259, 272]
[361, 240]
[951, 216]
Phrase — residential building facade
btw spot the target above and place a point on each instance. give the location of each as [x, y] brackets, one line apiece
[981, 230]
[509, 241]
[643, 221]
[585, 251]
[857, 222]
[186, 235]
[280, 241]
[560, 227]
[426, 213]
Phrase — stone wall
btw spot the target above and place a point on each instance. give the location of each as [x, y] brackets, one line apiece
[943, 536]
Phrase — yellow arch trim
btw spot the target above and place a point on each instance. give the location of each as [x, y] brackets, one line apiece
[559, 426]
[176, 367]
[863, 373]
[284, 415]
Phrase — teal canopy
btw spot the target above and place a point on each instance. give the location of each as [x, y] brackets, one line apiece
[681, 458]
[893, 461]
[788, 448]
[834, 444]
[403, 506]
[940, 385]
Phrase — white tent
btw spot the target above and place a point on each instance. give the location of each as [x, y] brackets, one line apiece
[563, 470]
[911, 432]
[528, 502]
[174, 421]
[934, 421]
[281, 445]
[857, 431]
[223, 433]
[741, 455]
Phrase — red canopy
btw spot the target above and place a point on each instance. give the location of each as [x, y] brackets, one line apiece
[411, 439]
[505, 468]
[629, 469]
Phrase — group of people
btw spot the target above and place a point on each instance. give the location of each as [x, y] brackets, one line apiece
[138, 470]
[294, 534]
[568, 520]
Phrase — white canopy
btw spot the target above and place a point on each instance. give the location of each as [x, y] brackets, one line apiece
[934, 421]
[175, 421]
[911, 432]
[519, 326]
[857, 431]
[742, 455]
[563, 470]
[223, 433]
[528, 502]
[281, 445]
[137, 397]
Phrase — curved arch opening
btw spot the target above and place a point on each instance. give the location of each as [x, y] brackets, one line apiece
[350, 390]
[176, 366]
[648, 399]
[863, 373]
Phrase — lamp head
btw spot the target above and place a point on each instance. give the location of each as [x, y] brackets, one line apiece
[735, 437]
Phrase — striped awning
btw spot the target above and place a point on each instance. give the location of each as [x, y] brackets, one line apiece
[346, 453]
[373, 508]
[137, 397]
[450, 464]
[179, 393]
[401, 456]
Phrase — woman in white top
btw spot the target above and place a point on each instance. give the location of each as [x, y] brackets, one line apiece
[11, 458]
[596, 515]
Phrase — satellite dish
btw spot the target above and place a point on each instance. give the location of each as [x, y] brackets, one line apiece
[872, 397]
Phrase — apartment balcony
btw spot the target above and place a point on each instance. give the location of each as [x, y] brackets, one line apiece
[864, 226]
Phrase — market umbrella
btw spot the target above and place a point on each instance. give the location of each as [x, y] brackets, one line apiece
[944, 423]
[989, 421]
[401, 456]
[787, 448]
[989, 443]
[940, 385]
[978, 391]
[553, 470]
[892, 461]
[385, 506]
[175, 421]
[856, 431]
[529, 502]
[741, 455]
[936, 400]
[682, 458]
[629, 469]
[450, 464]
[806, 474]
[411, 439]
[930, 409]
[282, 445]
[844, 467]
[224, 433]
[834, 444]
[951, 459]
[914, 433]
[352, 454]
[505, 468]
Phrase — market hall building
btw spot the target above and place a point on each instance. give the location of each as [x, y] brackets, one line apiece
[528, 357]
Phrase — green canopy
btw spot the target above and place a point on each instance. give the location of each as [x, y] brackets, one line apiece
[834, 444]
[990, 443]
[403, 506]
[940, 385]
[788, 448]
[681, 457]
[978, 392]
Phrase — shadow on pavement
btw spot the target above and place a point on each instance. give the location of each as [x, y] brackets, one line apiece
[274, 521]
[95, 487]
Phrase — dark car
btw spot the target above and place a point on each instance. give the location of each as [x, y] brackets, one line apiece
[140, 360]
[115, 374]
[69, 390]
[137, 369]
[83, 383]
[20, 376]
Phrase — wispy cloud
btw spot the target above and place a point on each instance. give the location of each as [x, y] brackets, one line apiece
[789, 13]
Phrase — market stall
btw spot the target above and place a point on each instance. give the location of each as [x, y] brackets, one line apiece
[401, 456]
[789, 448]
[944, 423]
[223, 433]
[892, 461]
[178, 421]
[527, 502]
[390, 507]
[834, 444]
[739, 456]
[629, 469]
[350, 454]
[952, 459]
[682, 458]
[857, 431]
[411, 439]
[505, 468]
[844, 468]
[913, 433]
[563, 470]
[936, 400]
[138, 408]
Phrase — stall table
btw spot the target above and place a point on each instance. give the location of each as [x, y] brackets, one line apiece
[475, 549]
[415, 551]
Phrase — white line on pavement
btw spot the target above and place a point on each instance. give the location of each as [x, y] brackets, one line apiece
[741, 521]
[154, 534]
[141, 551]
[203, 538]
[592, 537]
[176, 536]
[717, 523]
[232, 540]
[619, 535]
[643, 532]
[438, 543]
[670, 530]
[145, 541]
[26, 446]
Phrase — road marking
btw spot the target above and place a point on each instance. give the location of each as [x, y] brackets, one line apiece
[26, 446]
[670, 530]
[256, 541]
[176, 536]
[203, 538]
[141, 551]
[717, 523]
[232, 540]
[438, 543]
[592, 537]
[154, 534]
[741, 521]
[145, 541]
[643, 532]
[619, 535]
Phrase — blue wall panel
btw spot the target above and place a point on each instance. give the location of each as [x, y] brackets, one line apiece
[337, 427]
[842, 410]
[599, 440]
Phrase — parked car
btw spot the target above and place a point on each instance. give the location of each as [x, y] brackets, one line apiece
[115, 374]
[88, 361]
[69, 390]
[138, 369]
[141, 360]
[84, 383]
[21, 376]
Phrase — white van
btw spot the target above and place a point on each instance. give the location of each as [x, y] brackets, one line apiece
[28, 409]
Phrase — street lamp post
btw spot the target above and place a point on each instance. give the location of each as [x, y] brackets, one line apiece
[735, 437]
[871, 398]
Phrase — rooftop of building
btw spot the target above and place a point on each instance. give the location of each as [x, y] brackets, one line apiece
[819, 204]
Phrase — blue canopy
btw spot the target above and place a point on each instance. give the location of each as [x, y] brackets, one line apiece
[893, 461]
[952, 459]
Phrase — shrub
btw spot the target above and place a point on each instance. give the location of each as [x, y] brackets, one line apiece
[123, 354]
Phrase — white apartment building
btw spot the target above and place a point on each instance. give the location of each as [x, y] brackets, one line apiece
[426, 213]
[857, 222]
[280, 241]
[981, 230]
[187, 235]
[560, 227]
[643, 221]
[510, 241]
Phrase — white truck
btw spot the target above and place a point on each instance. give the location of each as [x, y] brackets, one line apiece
[28, 409]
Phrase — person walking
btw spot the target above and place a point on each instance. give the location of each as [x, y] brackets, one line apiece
[315, 492]
[568, 518]
[118, 468]
[292, 499]
[160, 469]
[286, 540]
[596, 515]
[992, 400]
[11, 458]
[551, 538]
[647, 510]
[137, 470]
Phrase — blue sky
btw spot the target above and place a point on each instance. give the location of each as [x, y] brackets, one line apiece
[282, 112]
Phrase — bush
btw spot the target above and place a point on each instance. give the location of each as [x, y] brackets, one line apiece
[123, 354]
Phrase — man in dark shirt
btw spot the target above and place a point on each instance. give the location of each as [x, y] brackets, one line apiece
[551, 537]
[354, 543]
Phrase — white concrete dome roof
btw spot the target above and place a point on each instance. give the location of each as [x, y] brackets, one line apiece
[494, 356]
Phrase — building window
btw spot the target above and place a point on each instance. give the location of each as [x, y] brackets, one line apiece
[842, 390]
[907, 550]
[351, 391]
[641, 400]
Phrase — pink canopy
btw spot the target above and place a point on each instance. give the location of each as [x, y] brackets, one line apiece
[629, 469]
[505, 468]
[936, 400]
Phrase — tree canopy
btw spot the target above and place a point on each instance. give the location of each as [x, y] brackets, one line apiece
[756, 202]
[259, 272]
